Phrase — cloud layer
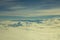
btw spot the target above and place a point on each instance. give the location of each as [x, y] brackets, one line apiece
[29, 7]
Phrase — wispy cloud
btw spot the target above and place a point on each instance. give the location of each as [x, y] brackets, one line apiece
[29, 7]
[28, 12]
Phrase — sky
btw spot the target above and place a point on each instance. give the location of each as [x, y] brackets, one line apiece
[29, 7]
[17, 23]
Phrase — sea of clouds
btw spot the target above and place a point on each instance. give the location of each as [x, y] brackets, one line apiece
[46, 29]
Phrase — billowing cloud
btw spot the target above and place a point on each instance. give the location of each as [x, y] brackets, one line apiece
[15, 24]
[44, 21]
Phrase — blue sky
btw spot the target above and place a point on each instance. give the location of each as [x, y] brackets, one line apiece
[29, 7]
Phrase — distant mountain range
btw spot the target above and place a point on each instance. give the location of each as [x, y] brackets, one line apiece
[28, 18]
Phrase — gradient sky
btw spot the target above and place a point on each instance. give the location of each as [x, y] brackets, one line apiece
[29, 7]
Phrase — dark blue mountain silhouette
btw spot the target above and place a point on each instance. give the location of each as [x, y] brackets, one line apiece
[28, 18]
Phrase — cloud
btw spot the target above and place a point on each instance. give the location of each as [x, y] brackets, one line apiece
[17, 8]
[8, 24]
[27, 24]
[8, 5]
[15, 24]
[50, 11]
[28, 7]
[28, 12]
[5, 5]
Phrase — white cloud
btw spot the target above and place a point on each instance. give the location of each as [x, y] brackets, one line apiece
[29, 33]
